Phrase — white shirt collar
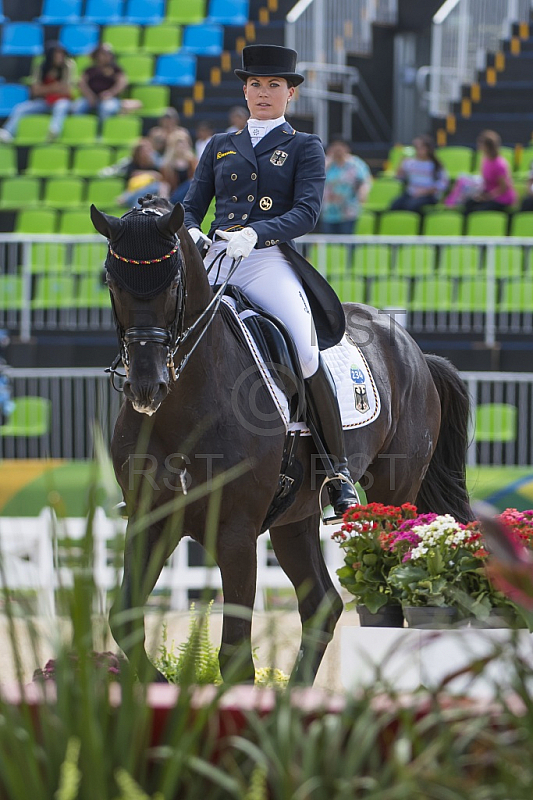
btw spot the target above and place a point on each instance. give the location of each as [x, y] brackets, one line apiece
[258, 128]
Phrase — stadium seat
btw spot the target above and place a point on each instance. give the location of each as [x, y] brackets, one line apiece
[460, 261]
[8, 161]
[10, 95]
[349, 288]
[75, 222]
[176, 70]
[32, 129]
[189, 13]
[11, 292]
[155, 99]
[121, 130]
[144, 12]
[522, 224]
[382, 192]
[415, 260]
[103, 192]
[92, 293]
[526, 160]
[48, 257]
[366, 224]
[123, 38]
[399, 223]
[22, 39]
[506, 152]
[203, 40]
[139, 67]
[30, 417]
[455, 159]
[487, 223]
[228, 12]
[60, 12]
[372, 260]
[43, 220]
[63, 192]
[433, 295]
[103, 12]
[443, 223]
[48, 159]
[88, 161]
[54, 291]
[389, 293]
[79, 39]
[88, 258]
[517, 296]
[471, 295]
[496, 422]
[159, 39]
[508, 262]
[79, 129]
[19, 192]
[2, 16]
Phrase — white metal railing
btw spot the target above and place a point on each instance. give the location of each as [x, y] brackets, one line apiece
[463, 31]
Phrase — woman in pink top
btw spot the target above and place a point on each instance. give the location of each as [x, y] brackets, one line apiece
[498, 191]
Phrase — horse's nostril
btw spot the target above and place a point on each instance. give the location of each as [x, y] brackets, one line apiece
[127, 390]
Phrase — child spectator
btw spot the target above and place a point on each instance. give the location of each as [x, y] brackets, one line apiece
[424, 177]
[497, 192]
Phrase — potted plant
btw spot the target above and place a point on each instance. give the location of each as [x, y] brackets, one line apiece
[365, 537]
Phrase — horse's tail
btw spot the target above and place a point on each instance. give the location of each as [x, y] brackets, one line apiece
[443, 490]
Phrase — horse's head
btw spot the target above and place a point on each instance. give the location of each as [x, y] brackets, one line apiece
[145, 275]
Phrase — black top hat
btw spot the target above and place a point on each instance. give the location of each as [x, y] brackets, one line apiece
[269, 59]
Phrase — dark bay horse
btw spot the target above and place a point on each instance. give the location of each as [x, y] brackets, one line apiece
[217, 416]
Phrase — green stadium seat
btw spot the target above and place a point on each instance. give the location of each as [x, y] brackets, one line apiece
[382, 192]
[399, 223]
[443, 223]
[496, 422]
[188, 13]
[32, 129]
[121, 130]
[349, 288]
[160, 39]
[139, 67]
[155, 99]
[48, 257]
[433, 295]
[48, 159]
[517, 295]
[336, 258]
[82, 63]
[92, 293]
[460, 261]
[522, 224]
[76, 222]
[506, 152]
[30, 417]
[471, 295]
[508, 262]
[43, 220]
[389, 293]
[54, 291]
[366, 224]
[88, 258]
[123, 38]
[11, 292]
[63, 192]
[103, 192]
[395, 157]
[372, 260]
[79, 129]
[487, 223]
[89, 160]
[455, 159]
[524, 166]
[19, 192]
[415, 260]
[8, 161]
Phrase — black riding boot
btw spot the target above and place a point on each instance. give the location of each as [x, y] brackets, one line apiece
[324, 414]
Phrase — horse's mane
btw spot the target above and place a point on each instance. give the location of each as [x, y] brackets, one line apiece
[154, 201]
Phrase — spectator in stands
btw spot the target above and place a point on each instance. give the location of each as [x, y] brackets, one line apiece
[142, 175]
[498, 192]
[237, 118]
[348, 181]
[178, 164]
[424, 177]
[51, 93]
[167, 124]
[101, 85]
[204, 132]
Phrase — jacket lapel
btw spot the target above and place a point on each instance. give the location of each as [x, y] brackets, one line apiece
[275, 138]
[243, 143]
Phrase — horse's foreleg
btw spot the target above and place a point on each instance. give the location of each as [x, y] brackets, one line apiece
[237, 559]
[144, 556]
[297, 547]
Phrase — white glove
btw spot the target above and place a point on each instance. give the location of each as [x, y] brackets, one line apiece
[240, 243]
[196, 234]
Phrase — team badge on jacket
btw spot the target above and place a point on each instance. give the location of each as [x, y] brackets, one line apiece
[278, 158]
[359, 390]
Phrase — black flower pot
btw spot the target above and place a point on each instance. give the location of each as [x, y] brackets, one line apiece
[387, 617]
[499, 618]
[430, 616]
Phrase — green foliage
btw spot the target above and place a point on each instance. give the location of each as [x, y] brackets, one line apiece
[196, 660]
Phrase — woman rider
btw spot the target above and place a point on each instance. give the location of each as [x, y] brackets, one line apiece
[268, 180]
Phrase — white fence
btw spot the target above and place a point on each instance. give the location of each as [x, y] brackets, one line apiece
[37, 553]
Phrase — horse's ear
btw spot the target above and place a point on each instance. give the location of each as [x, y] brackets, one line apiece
[105, 224]
[169, 224]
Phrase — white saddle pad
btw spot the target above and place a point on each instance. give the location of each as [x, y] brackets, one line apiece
[356, 389]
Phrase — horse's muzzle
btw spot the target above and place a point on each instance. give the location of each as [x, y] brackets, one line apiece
[145, 397]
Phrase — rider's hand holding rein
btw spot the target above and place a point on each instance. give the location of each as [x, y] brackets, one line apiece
[240, 243]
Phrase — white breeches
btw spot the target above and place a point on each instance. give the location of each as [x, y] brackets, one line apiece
[269, 280]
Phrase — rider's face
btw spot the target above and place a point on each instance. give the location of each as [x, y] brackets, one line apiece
[267, 98]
